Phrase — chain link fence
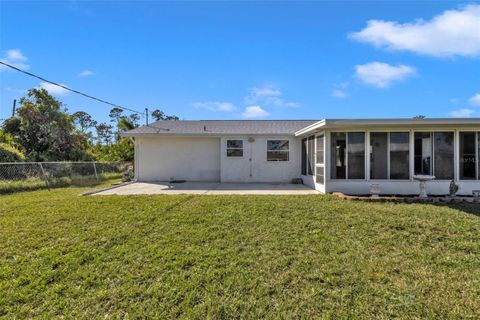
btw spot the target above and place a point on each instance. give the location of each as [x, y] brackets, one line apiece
[18, 176]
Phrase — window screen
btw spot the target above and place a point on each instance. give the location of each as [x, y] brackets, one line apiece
[379, 155]
[468, 156]
[399, 155]
[304, 156]
[338, 154]
[311, 155]
[320, 160]
[356, 155]
[423, 153]
[443, 155]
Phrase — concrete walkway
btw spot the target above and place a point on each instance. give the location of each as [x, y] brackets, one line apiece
[208, 188]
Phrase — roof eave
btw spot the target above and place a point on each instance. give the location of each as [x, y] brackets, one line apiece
[210, 134]
[311, 128]
[383, 123]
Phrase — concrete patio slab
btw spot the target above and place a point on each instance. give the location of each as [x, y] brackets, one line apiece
[208, 188]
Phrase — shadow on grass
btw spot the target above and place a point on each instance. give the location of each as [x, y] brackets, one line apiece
[470, 208]
[8, 187]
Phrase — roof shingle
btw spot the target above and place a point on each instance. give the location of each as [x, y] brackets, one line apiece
[220, 127]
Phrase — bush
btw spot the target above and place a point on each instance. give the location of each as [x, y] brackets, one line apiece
[5, 137]
[9, 153]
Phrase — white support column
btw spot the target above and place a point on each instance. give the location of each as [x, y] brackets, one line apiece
[327, 160]
[136, 158]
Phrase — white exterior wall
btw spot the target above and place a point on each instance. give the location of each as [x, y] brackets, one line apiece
[205, 159]
[188, 158]
[241, 169]
[352, 187]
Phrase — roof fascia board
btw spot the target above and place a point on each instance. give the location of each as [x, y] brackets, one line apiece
[199, 135]
[311, 127]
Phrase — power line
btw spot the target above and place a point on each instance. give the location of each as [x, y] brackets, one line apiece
[69, 89]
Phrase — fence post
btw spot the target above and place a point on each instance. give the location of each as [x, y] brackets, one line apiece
[44, 175]
[95, 170]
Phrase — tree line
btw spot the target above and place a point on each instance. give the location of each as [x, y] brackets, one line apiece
[42, 129]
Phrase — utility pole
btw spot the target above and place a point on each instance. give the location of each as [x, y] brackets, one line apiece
[146, 116]
[14, 107]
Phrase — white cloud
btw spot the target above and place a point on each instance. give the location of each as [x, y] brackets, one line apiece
[16, 58]
[265, 92]
[340, 90]
[279, 102]
[53, 89]
[16, 55]
[254, 112]
[454, 100]
[475, 100]
[15, 90]
[86, 73]
[340, 94]
[452, 33]
[268, 96]
[214, 106]
[382, 75]
[462, 113]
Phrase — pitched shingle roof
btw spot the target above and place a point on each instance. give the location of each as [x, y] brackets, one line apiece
[220, 127]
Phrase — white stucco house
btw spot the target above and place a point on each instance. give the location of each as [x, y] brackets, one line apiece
[344, 155]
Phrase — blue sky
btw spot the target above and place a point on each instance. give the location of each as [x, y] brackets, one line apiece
[249, 60]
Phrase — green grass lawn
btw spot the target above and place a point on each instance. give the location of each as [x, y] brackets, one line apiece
[12, 186]
[64, 255]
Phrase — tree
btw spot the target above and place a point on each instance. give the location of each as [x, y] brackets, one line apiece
[419, 117]
[84, 121]
[9, 153]
[126, 124]
[134, 118]
[5, 137]
[11, 126]
[43, 131]
[158, 115]
[104, 133]
[115, 114]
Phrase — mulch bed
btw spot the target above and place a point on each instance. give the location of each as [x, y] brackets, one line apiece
[409, 199]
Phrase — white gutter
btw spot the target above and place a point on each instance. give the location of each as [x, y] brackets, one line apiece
[311, 127]
[346, 123]
[173, 134]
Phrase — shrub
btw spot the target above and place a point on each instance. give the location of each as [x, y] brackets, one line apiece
[9, 153]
